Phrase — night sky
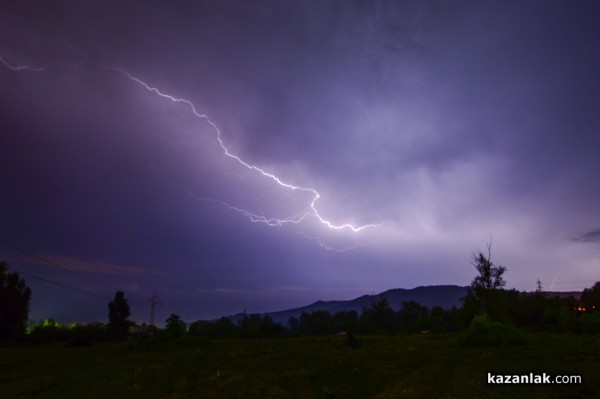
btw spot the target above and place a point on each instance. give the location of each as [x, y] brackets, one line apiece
[316, 150]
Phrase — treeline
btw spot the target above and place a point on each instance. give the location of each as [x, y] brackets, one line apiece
[487, 306]
[532, 312]
[377, 318]
[528, 311]
[252, 326]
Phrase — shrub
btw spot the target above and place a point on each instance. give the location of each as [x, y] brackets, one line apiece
[483, 331]
[49, 330]
[73, 335]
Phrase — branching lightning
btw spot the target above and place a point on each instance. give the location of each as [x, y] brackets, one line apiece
[328, 247]
[22, 67]
[253, 217]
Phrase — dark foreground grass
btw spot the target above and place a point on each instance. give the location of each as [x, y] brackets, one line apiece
[403, 366]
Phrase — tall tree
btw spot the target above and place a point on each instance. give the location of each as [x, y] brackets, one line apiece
[490, 275]
[15, 297]
[486, 293]
[118, 312]
[175, 327]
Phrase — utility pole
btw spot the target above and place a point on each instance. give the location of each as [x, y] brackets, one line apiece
[539, 286]
[153, 303]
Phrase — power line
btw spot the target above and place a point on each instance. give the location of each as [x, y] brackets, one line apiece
[59, 284]
[573, 282]
[53, 263]
[26, 231]
[29, 253]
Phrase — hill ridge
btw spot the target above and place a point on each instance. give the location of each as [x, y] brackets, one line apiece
[444, 295]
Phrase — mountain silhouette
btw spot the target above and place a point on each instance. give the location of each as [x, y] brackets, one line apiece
[444, 296]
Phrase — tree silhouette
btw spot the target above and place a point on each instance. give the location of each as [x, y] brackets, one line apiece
[224, 327]
[490, 275]
[319, 322]
[412, 316]
[175, 327]
[14, 303]
[118, 312]
[590, 298]
[383, 316]
[345, 321]
[486, 293]
[377, 317]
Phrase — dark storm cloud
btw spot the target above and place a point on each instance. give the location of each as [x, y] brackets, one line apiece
[448, 122]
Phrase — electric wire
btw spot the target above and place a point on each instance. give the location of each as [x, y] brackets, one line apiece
[29, 253]
[58, 284]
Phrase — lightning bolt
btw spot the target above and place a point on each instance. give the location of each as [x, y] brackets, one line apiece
[328, 247]
[22, 67]
[273, 222]
[256, 218]
[253, 217]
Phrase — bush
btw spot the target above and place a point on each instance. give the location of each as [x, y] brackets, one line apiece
[73, 335]
[49, 330]
[483, 331]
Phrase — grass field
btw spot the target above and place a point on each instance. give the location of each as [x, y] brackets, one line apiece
[402, 366]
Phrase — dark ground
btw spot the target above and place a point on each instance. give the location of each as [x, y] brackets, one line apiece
[401, 366]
